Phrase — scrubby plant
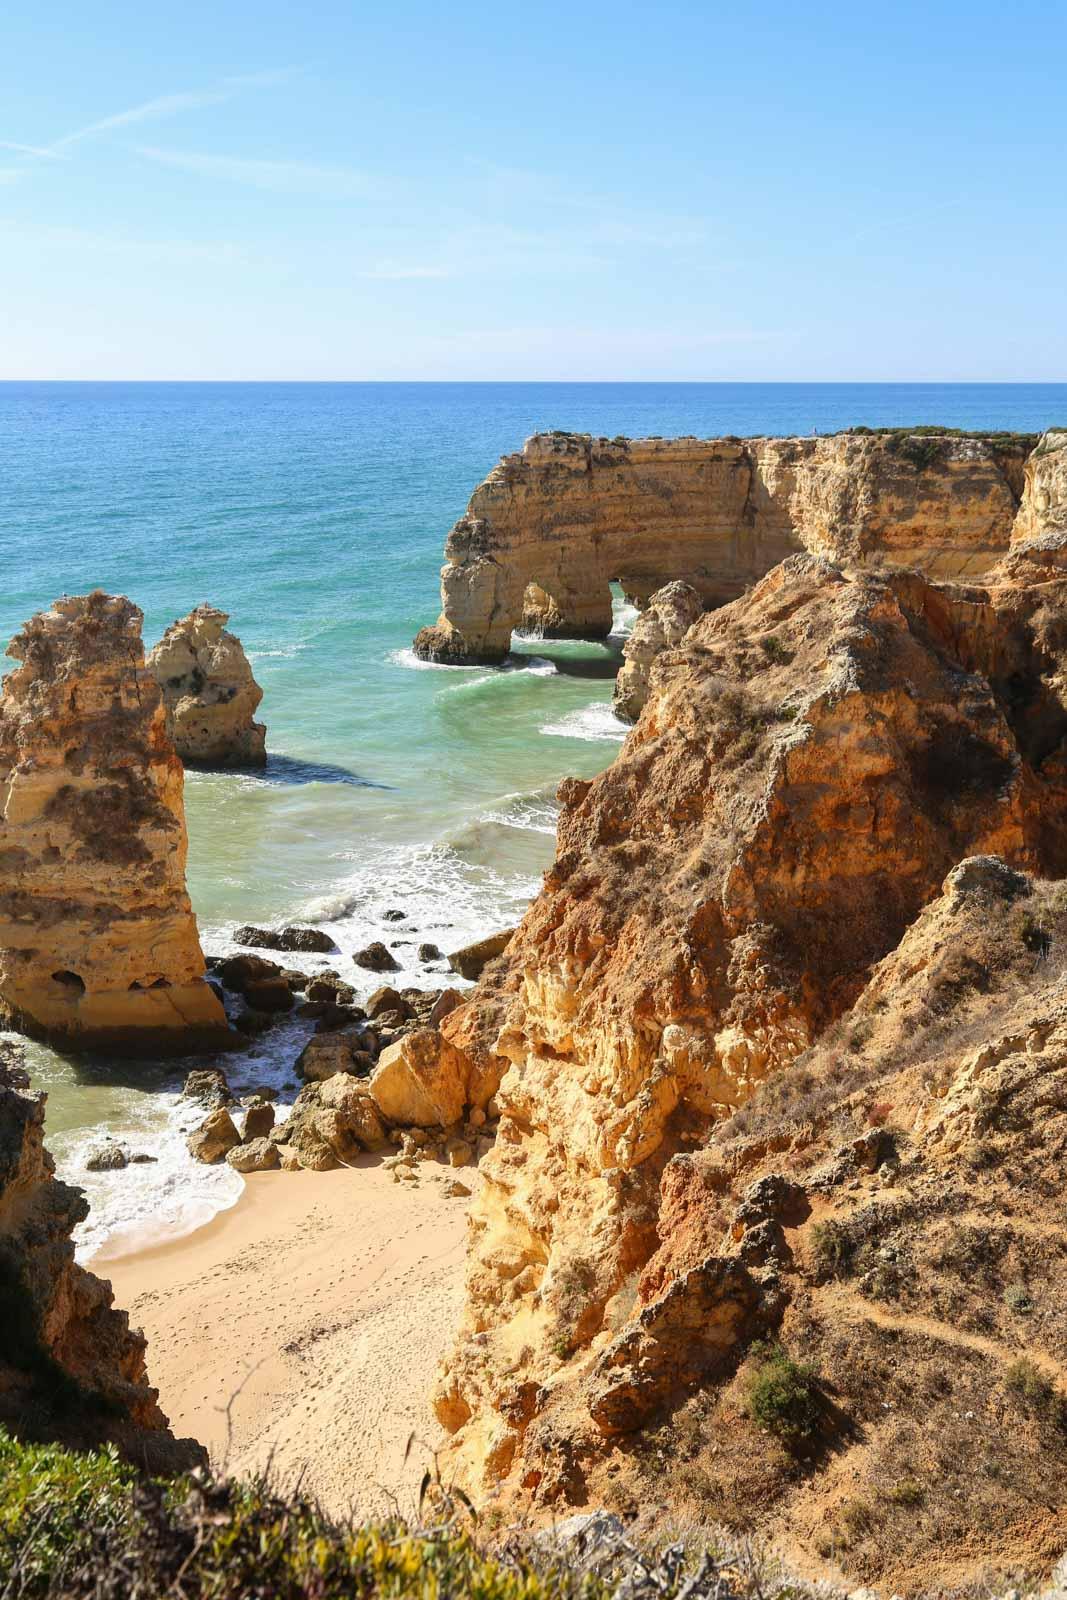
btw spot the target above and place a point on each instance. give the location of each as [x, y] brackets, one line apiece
[832, 1250]
[782, 1395]
[1036, 1392]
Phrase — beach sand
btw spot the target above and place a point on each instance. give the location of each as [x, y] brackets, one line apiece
[301, 1329]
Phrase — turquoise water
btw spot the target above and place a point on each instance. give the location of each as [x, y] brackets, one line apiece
[316, 515]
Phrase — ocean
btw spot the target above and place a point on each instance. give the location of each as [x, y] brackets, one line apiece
[316, 514]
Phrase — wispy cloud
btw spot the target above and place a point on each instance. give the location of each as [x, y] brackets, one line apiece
[391, 271]
[162, 106]
[289, 175]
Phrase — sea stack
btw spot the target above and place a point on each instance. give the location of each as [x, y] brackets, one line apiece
[209, 692]
[98, 942]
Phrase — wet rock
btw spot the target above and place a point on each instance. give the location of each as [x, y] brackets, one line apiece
[376, 958]
[207, 1084]
[215, 1136]
[386, 1000]
[237, 972]
[329, 986]
[308, 940]
[473, 958]
[258, 1155]
[269, 994]
[429, 952]
[335, 1019]
[253, 1023]
[394, 915]
[106, 1158]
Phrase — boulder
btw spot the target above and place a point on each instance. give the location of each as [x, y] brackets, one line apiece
[387, 999]
[332, 1122]
[473, 958]
[376, 958]
[308, 940]
[207, 1084]
[328, 986]
[237, 972]
[214, 1138]
[421, 1081]
[429, 952]
[443, 1006]
[259, 1120]
[106, 1158]
[257, 1155]
[253, 1023]
[327, 1054]
[269, 994]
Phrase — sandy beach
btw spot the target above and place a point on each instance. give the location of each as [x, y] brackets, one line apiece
[301, 1329]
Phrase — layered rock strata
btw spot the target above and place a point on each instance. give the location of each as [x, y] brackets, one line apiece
[554, 524]
[71, 1367]
[810, 764]
[210, 695]
[98, 942]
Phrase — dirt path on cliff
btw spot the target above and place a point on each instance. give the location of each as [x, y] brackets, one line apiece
[301, 1330]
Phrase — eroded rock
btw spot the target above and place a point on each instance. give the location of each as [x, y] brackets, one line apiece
[209, 692]
[98, 943]
[671, 612]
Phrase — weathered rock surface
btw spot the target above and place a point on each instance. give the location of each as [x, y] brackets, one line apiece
[670, 614]
[376, 958]
[216, 1136]
[811, 762]
[71, 1367]
[421, 1081]
[254, 1155]
[554, 524]
[209, 692]
[1043, 510]
[332, 1123]
[98, 943]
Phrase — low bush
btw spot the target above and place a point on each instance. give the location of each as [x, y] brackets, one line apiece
[782, 1395]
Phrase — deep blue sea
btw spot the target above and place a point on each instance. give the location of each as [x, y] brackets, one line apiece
[316, 515]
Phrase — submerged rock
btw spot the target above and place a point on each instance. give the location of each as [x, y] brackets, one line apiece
[98, 942]
[209, 692]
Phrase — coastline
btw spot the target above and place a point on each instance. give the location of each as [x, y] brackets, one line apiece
[298, 1332]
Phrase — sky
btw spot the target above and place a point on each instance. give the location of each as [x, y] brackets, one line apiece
[700, 191]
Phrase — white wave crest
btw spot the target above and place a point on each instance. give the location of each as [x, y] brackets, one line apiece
[595, 722]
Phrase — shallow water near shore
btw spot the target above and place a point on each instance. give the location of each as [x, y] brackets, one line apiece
[316, 515]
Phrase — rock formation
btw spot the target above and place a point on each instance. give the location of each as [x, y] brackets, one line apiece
[209, 692]
[669, 616]
[1044, 503]
[71, 1367]
[812, 763]
[98, 943]
[553, 525]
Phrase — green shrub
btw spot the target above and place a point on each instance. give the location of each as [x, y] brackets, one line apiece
[782, 1395]
[1036, 1392]
[53, 1504]
[832, 1250]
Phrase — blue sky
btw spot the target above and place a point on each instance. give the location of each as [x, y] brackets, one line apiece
[691, 191]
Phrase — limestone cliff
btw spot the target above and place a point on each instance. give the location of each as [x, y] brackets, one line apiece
[663, 625]
[71, 1367]
[554, 524]
[209, 692]
[811, 763]
[98, 943]
[1044, 503]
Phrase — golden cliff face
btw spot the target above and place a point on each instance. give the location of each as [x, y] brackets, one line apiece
[98, 942]
[1044, 503]
[70, 1364]
[553, 525]
[209, 693]
[810, 764]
